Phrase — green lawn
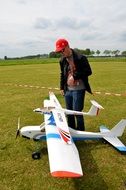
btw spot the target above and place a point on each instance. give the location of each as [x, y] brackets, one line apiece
[21, 90]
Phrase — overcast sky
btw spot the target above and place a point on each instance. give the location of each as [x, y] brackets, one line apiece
[29, 27]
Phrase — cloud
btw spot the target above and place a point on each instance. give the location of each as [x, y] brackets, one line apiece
[72, 23]
[91, 36]
[28, 26]
[43, 23]
[122, 36]
[21, 1]
[62, 23]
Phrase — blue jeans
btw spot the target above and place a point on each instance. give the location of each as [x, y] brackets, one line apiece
[75, 101]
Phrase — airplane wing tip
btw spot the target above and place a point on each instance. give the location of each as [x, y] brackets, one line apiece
[122, 149]
[36, 110]
[51, 93]
[114, 141]
[96, 104]
[63, 174]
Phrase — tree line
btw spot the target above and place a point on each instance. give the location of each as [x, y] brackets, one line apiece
[86, 52]
[92, 53]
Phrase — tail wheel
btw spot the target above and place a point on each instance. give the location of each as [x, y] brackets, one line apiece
[36, 155]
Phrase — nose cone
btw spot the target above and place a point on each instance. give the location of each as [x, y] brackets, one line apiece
[26, 132]
[30, 131]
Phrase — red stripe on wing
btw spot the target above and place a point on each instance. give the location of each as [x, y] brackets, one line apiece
[65, 174]
[65, 135]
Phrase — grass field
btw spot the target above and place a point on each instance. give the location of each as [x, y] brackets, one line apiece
[21, 90]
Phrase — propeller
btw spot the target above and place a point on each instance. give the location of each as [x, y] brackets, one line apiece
[18, 129]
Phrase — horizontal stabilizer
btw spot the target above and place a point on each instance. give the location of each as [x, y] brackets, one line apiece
[114, 141]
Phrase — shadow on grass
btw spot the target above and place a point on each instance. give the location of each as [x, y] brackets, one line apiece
[42, 150]
[91, 178]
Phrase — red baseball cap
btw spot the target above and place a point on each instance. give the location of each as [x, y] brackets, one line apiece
[61, 44]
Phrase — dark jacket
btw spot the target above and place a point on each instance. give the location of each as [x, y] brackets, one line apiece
[83, 70]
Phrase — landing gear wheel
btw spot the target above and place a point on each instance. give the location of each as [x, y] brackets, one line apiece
[104, 141]
[36, 155]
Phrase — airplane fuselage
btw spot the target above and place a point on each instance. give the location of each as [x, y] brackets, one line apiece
[35, 132]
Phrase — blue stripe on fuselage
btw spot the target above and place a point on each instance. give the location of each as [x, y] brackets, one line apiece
[54, 135]
[85, 138]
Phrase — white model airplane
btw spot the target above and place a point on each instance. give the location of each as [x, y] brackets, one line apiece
[63, 155]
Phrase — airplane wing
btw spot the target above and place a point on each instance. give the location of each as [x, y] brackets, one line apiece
[55, 104]
[64, 158]
[93, 111]
[53, 100]
[62, 126]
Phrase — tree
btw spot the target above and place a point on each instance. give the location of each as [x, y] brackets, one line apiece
[97, 52]
[123, 53]
[115, 52]
[54, 55]
[92, 52]
[5, 57]
[107, 52]
[87, 51]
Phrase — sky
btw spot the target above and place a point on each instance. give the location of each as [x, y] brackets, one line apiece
[30, 27]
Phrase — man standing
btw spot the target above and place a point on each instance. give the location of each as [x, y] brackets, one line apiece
[75, 70]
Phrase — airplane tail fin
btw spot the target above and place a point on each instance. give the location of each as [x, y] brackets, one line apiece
[118, 129]
[94, 110]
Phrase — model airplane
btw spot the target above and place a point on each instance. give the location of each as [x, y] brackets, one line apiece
[63, 155]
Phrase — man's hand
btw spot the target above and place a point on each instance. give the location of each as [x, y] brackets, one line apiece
[62, 92]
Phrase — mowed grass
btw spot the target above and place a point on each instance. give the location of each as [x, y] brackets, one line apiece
[21, 91]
